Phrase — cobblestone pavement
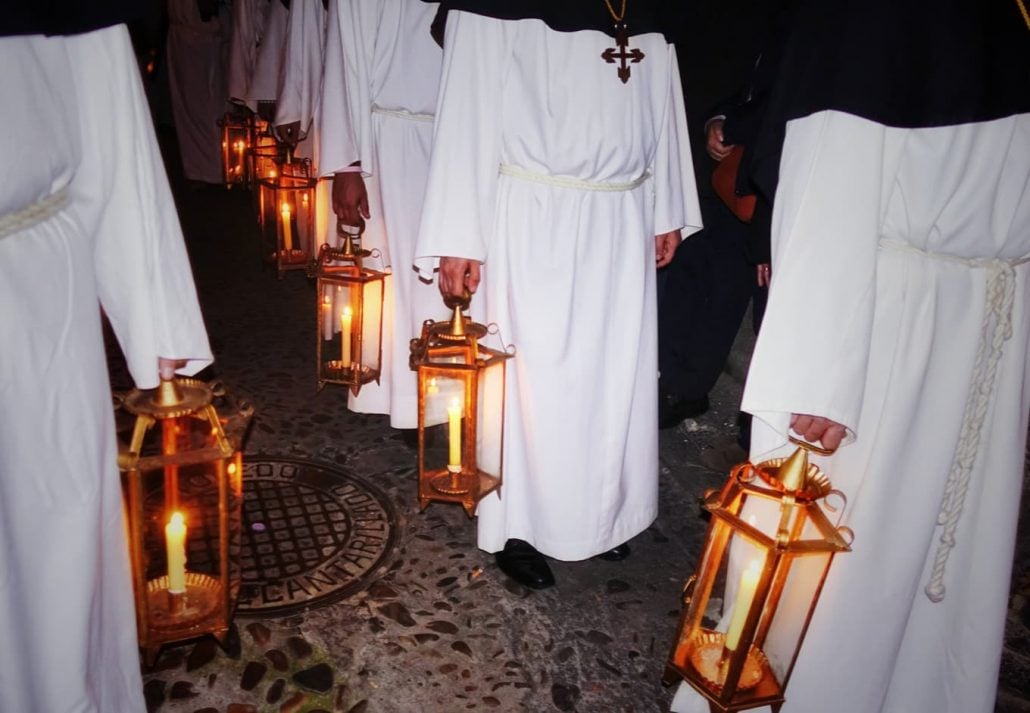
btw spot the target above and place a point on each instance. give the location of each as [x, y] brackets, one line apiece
[433, 626]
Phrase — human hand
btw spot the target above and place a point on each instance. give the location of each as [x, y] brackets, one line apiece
[816, 428]
[764, 272]
[456, 275]
[350, 199]
[715, 144]
[288, 133]
[665, 247]
[166, 367]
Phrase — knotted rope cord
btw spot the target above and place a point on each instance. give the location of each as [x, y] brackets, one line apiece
[996, 329]
[33, 214]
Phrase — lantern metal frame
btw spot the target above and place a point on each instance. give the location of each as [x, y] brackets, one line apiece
[451, 350]
[207, 604]
[287, 249]
[344, 268]
[237, 140]
[743, 678]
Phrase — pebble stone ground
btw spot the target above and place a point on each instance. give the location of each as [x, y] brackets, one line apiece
[436, 628]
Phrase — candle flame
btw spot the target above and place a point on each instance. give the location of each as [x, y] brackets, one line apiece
[348, 311]
[177, 519]
[326, 300]
[285, 210]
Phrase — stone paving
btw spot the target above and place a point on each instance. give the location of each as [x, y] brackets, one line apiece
[434, 626]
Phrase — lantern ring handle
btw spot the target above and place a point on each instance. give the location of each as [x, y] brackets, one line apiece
[811, 447]
[688, 589]
[494, 329]
[217, 388]
[117, 399]
[847, 534]
[835, 493]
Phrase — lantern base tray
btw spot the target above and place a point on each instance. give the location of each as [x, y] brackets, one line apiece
[334, 371]
[176, 612]
[296, 257]
[454, 483]
[708, 660]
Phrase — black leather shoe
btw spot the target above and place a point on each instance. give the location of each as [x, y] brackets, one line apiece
[520, 561]
[673, 410]
[615, 554]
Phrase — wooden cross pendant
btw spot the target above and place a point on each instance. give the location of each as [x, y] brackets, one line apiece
[620, 54]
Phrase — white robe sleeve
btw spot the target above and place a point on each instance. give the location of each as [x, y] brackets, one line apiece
[302, 65]
[458, 214]
[122, 196]
[676, 202]
[346, 133]
[813, 349]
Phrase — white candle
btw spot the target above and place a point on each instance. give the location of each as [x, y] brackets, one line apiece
[327, 317]
[175, 544]
[454, 433]
[745, 593]
[345, 324]
[287, 229]
[239, 157]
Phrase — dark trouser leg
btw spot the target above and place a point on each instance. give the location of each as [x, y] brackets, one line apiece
[707, 290]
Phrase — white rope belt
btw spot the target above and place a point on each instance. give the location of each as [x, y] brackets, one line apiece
[568, 182]
[403, 114]
[33, 213]
[996, 329]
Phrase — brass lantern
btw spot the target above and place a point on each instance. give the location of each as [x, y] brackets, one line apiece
[236, 145]
[461, 384]
[350, 304]
[771, 541]
[264, 152]
[183, 491]
[287, 209]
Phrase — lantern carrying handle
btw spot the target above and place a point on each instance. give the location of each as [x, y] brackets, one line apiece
[811, 447]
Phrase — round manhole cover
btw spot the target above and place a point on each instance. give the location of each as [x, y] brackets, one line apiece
[312, 534]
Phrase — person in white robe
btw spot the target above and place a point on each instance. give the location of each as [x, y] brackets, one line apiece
[266, 77]
[196, 53]
[86, 221]
[379, 97]
[898, 325]
[299, 101]
[563, 179]
[247, 24]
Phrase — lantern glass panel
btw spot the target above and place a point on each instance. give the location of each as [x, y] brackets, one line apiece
[489, 431]
[349, 345]
[287, 208]
[235, 147]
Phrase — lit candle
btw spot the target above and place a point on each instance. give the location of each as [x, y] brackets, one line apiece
[345, 320]
[175, 544]
[745, 593]
[327, 318]
[239, 154]
[454, 432]
[287, 230]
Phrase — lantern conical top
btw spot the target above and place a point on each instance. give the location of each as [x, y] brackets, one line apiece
[793, 474]
[458, 305]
